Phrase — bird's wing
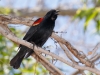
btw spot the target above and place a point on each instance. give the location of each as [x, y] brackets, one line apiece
[30, 32]
[38, 21]
[32, 29]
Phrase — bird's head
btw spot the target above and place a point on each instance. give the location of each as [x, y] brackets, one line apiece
[52, 14]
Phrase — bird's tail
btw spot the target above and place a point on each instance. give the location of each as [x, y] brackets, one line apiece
[23, 52]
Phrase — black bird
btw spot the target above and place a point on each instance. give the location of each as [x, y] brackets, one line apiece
[38, 33]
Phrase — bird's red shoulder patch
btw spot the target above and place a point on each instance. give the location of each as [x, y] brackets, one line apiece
[38, 21]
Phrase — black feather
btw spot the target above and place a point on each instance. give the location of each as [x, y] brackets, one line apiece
[37, 34]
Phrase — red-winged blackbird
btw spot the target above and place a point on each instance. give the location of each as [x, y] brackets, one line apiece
[38, 33]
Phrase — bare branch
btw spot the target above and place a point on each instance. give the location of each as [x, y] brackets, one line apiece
[72, 49]
[23, 42]
[52, 68]
[4, 30]
[41, 13]
[95, 58]
[67, 53]
[65, 42]
[6, 19]
[94, 50]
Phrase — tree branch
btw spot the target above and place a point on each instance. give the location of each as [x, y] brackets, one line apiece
[49, 66]
[41, 13]
[38, 49]
[73, 50]
[4, 20]
[17, 20]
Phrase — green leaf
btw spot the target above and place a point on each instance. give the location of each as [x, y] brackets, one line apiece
[4, 10]
[90, 15]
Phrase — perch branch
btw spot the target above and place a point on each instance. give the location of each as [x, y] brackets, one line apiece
[49, 66]
[4, 20]
[18, 20]
[23, 42]
[7, 19]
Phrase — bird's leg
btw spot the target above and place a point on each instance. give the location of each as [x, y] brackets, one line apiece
[33, 44]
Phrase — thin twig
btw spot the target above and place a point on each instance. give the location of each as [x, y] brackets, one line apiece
[72, 50]
[67, 53]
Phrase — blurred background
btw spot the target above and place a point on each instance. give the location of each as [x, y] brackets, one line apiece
[79, 20]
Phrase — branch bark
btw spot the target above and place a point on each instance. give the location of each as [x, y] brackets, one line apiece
[5, 19]
[43, 61]
[41, 13]
[72, 50]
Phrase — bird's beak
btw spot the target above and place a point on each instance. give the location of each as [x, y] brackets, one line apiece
[57, 12]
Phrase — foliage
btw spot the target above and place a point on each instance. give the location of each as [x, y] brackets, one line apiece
[5, 10]
[89, 14]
